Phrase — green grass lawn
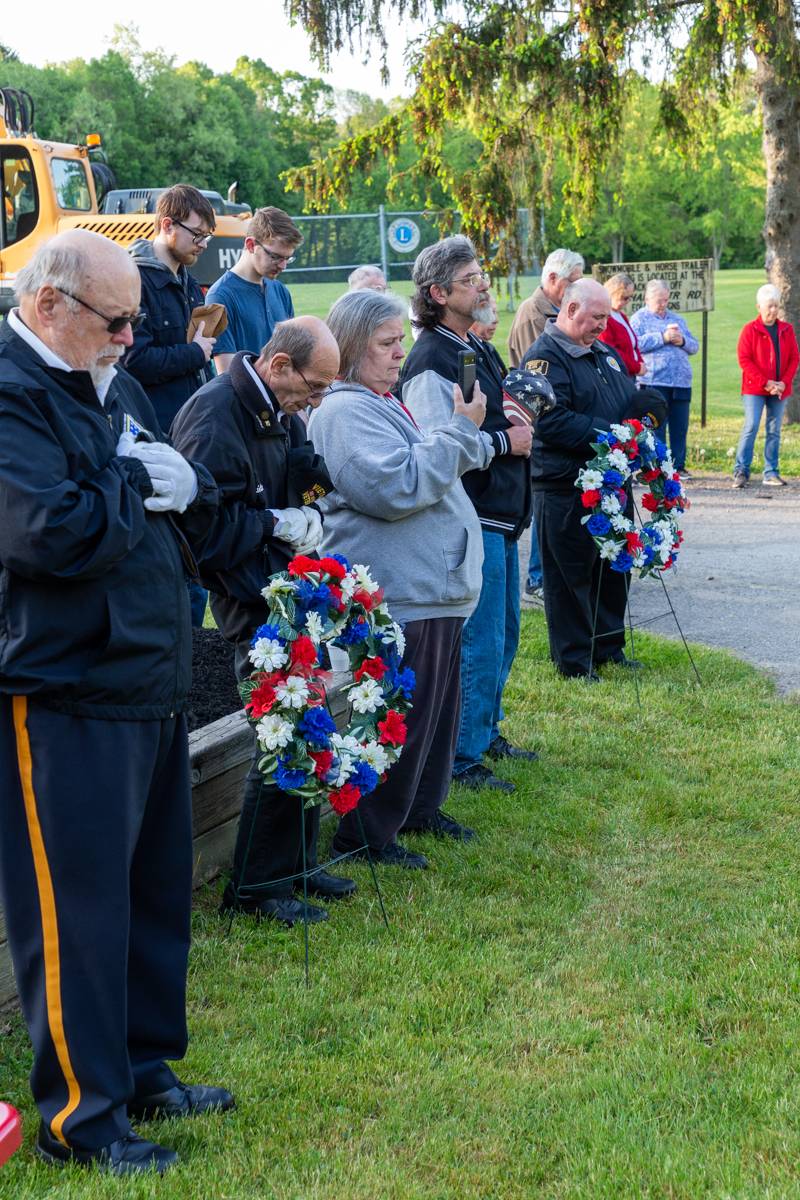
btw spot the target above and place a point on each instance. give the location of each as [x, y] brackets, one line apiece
[710, 449]
[598, 999]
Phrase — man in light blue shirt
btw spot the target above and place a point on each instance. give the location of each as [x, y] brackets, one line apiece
[254, 298]
[666, 343]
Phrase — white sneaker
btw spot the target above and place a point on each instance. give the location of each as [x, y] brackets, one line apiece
[773, 481]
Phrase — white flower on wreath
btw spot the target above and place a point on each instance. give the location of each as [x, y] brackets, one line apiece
[622, 433]
[366, 696]
[364, 579]
[293, 692]
[314, 626]
[619, 460]
[345, 744]
[621, 524]
[273, 732]
[590, 479]
[610, 550]
[277, 587]
[268, 655]
[394, 634]
[649, 440]
[374, 755]
[349, 585]
[610, 505]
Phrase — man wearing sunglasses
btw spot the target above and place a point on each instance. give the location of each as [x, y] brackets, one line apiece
[254, 298]
[95, 664]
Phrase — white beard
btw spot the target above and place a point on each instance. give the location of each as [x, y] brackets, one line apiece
[102, 375]
[483, 314]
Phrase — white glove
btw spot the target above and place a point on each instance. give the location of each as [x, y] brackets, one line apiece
[173, 478]
[291, 525]
[126, 442]
[314, 533]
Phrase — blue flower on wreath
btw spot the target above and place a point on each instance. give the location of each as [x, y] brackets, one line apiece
[365, 778]
[660, 448]
[288, 777]
[598, 525]
[313, 596]
[352, 633]
[316, 727]
[622, 563]
[649, 554]
[606, 439]
[672, 489]
[655, 536]
[612, 478]
[268, 631]
[340, 558]
[404, 681]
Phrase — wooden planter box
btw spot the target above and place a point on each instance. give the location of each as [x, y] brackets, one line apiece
[220, 755]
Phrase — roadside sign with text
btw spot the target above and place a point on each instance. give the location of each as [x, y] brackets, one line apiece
[690, 281]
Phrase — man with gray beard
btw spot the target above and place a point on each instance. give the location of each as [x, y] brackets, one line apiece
[451, 293]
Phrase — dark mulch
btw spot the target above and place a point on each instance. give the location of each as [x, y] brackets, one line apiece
[214, 692]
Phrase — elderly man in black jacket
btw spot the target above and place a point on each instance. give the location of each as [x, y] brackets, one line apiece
[244, 427]
[584, 600]
[95, 664]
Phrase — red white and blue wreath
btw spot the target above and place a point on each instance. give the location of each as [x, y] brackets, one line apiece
[319, 601]
[653, 546]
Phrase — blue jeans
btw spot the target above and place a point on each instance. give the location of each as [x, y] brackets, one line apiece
[678, 401]
[535, 563]
[488, 646]
[753, 408]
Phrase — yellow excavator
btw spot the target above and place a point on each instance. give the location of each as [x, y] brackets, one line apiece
[52, 186]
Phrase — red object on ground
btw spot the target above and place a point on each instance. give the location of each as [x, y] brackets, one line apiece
[10, 1131]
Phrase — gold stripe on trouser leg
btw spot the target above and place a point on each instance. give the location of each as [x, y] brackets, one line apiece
[47, 906]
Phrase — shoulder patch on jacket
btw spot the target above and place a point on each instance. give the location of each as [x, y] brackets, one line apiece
[537, 364]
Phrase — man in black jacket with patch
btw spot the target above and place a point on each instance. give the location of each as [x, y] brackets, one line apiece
[95, 665]
[594, 391]
[451, 293]
[244, 427]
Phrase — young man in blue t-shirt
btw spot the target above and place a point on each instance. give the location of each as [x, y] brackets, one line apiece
[254, 298]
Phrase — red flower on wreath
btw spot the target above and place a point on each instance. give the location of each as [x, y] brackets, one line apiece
[634, 543]
[302, 655]
[376, 668]
[653, 473]
[343, 799]
[635, 424]
[650, 502]
[336, 596]
[393, 728]
[590, 498]
[302, 564]
[333, 567]
[262, 697]
[323, 761]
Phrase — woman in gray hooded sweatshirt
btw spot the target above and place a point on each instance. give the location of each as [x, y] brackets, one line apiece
[400, 509]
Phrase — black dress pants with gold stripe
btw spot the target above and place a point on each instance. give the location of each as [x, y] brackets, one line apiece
[95, 879]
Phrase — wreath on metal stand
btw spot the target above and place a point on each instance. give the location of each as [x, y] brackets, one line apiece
[314, 603]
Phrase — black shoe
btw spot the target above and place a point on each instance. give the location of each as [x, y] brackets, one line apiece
[181, 1100]
[586, 676]
[129, 1155]
[630, 664]
[285, 909]
[479, 776]
[329, 887]
[500, 748]
[392, 855]
[442, 825]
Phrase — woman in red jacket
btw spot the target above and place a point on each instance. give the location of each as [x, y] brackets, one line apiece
[618, 332]
[768, 356]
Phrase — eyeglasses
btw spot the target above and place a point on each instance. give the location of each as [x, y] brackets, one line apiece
[284, 258]
[113, 324]
[314, 389]
[474, 279]
[198, 237]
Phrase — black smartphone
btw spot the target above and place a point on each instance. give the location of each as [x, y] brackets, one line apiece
[466, 373]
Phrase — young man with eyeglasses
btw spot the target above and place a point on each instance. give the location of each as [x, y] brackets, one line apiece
[452, 292]
[254, 298]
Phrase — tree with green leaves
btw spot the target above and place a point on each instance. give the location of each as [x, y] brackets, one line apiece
[530, 76]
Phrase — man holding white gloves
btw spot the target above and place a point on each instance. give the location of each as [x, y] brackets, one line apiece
[95, 665]
[244, 427]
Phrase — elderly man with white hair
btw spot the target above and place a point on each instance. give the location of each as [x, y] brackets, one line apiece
[95, 665]
[768, 356]
[560, 268]
[584, 598]
[367, 276]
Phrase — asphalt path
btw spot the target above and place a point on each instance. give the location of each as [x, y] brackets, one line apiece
[735, 584]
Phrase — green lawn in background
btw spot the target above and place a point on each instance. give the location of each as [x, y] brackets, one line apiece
[710, 449]
[595, 1001]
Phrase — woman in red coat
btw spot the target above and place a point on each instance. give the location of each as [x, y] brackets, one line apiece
[618, 332]
[769, 357]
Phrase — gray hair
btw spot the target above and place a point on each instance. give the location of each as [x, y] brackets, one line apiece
[617, 283]
[766, 293]
[561, 263]
[292, 338]
[584, 291]
[61, 266]
[357, 279]
[655, 285]
[354, 318]
[438, 264]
